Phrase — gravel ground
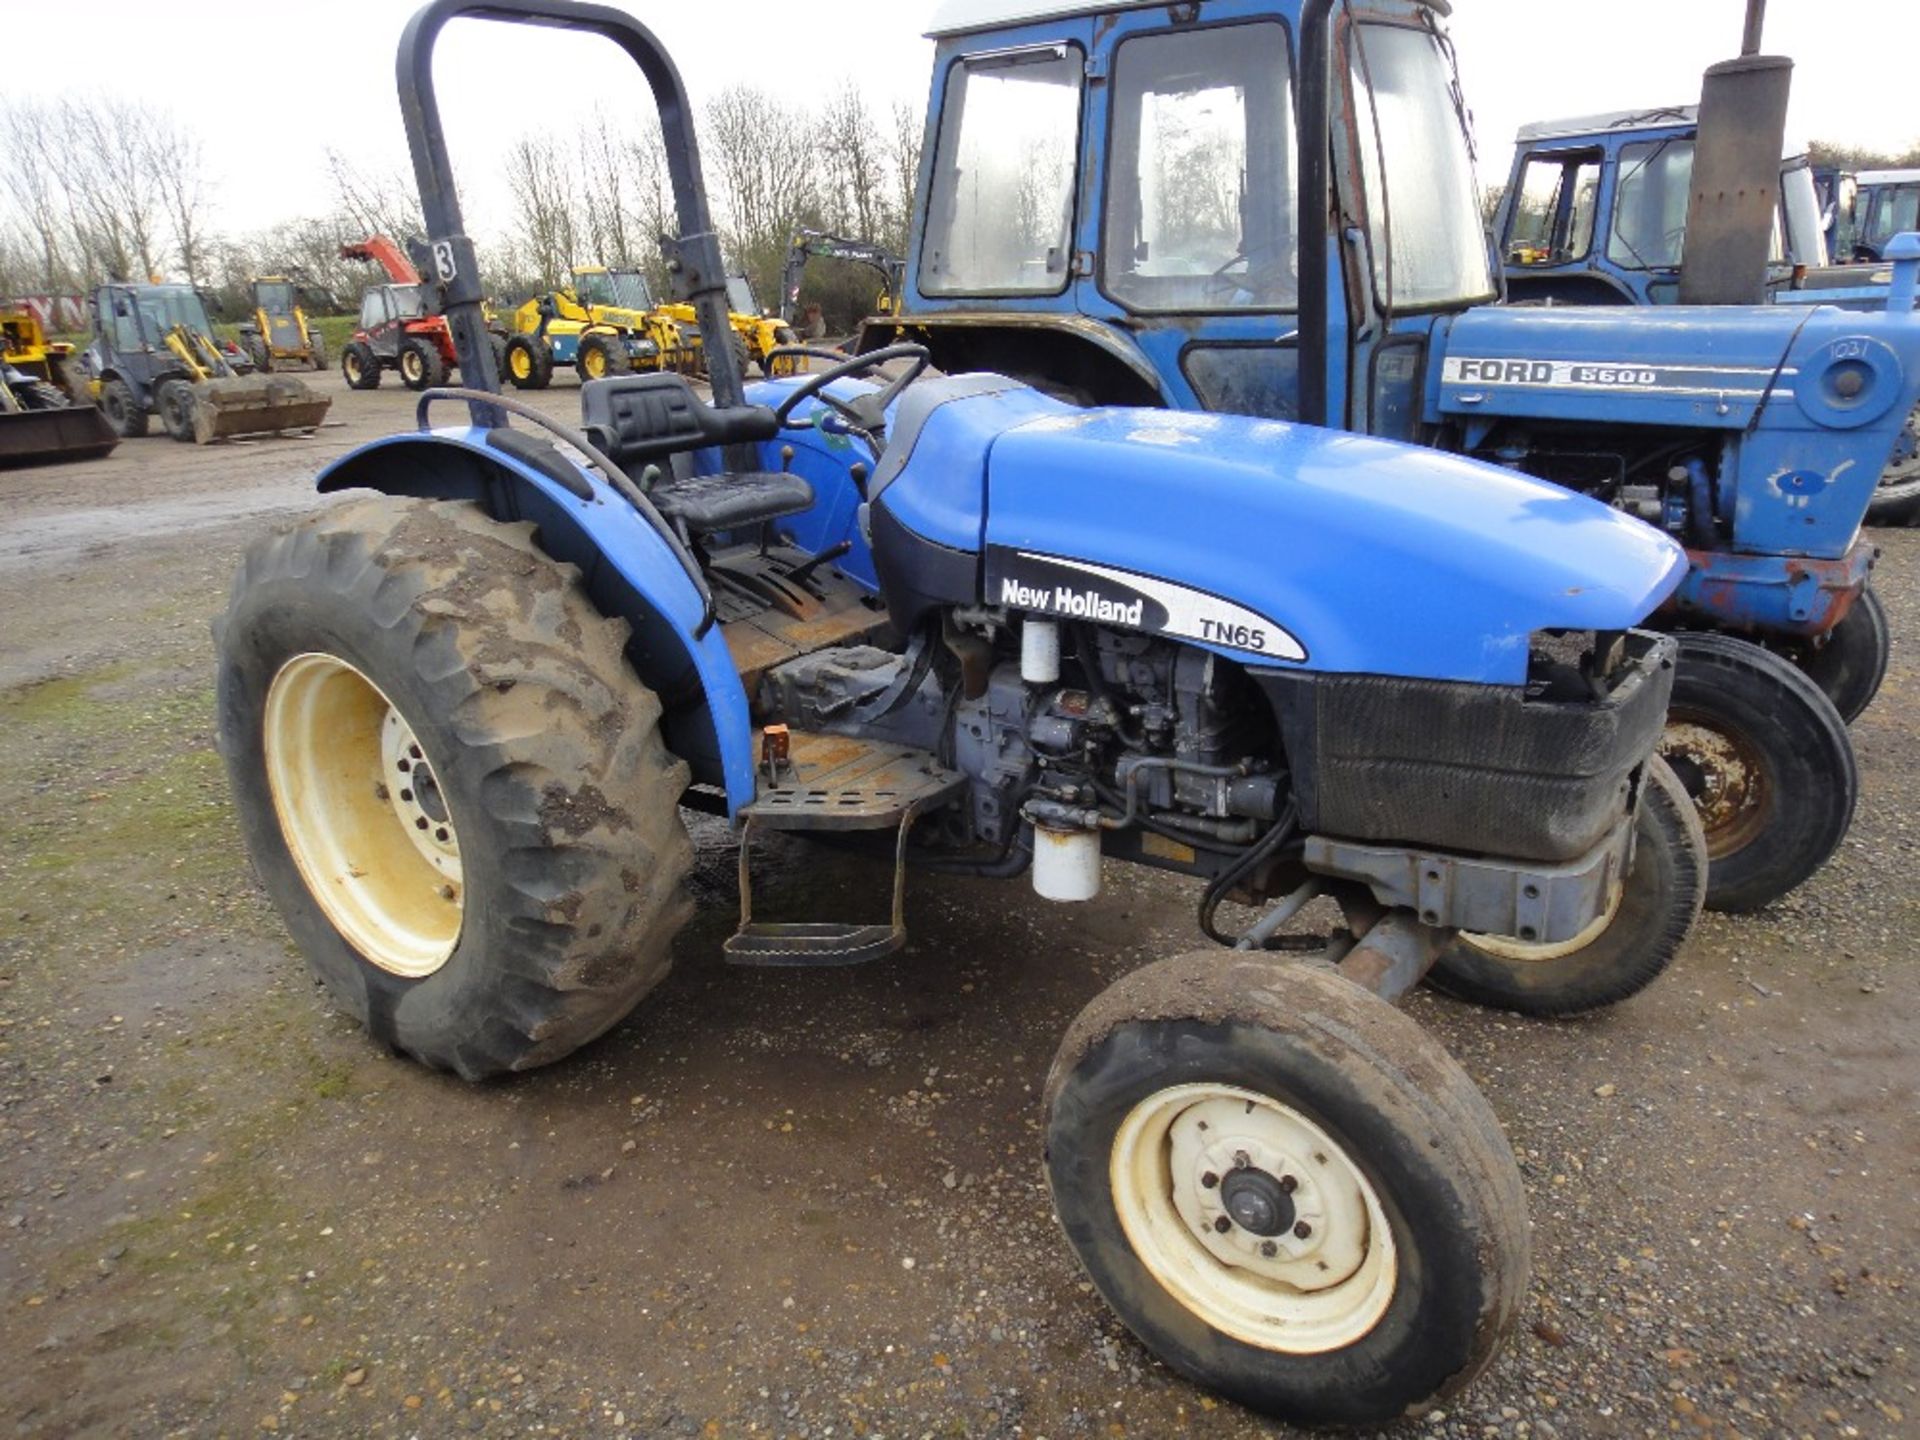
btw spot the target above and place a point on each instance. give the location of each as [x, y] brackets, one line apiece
[808, 1204]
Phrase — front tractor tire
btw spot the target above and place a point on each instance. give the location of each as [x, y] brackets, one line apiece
[174, 403]
[1622, 952]
[1853, 662]
[422, 367]
[1769, 765]
[1286, 1189]
[529, 362]
[602, 356]
[450, 781]
[359, 366]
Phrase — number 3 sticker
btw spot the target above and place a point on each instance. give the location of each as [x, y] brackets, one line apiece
[443, 261]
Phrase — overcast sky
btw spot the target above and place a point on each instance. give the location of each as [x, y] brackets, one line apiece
[295, 76]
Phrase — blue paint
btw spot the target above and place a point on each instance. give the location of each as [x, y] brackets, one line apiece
[442, 464]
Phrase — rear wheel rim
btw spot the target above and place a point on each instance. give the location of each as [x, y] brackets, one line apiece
[363, 814]
[520, 362]
[411, 365]
[1253, 1218]
[353, 367]
[1724, 774]
[596, 363]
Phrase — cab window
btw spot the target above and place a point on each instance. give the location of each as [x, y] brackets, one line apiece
[1650, 207]
[1553, 209]
[373, 310]
[1199, 212]
[1000, 218]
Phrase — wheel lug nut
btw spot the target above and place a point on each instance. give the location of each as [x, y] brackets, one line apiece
[1302, 1230]
[1242, 1160]
[1269, 1249]
[1222, 1225]
[1209, 1180]
[1288, 1184]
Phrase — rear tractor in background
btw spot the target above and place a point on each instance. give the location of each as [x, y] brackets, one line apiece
[398, 330]
[278, 333]
[153, 354]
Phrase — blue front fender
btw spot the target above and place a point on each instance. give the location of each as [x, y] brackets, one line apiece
[628, 569]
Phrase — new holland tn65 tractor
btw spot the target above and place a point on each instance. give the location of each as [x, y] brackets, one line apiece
[1268, 207]
[999, 635]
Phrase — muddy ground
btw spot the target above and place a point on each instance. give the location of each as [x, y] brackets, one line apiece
[807, 1204]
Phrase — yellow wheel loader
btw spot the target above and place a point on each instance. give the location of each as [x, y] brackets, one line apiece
[39, 419]
[604, 324]
[754, 336]
[278, 332]
[153, 353]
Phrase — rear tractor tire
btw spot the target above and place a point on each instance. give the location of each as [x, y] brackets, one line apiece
[175, 404]
[1286, 1189]
[1624, 951]
[422, 367]
[359, 366]
[450, 781]
[317, 347]
[1768, 763]
[125, 415]
[529, 362]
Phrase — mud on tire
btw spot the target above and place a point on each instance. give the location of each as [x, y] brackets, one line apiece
[546, 754]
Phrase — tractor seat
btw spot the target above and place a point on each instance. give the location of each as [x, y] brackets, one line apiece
[731, 500]
[656, 420]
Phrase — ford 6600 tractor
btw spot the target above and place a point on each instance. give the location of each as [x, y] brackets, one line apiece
[463, 712]
[1268, 207]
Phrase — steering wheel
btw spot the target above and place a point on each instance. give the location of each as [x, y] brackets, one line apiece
[867, 412]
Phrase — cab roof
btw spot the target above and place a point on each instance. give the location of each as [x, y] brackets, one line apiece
[962, 17]
[1612, 120]
[1888, 177]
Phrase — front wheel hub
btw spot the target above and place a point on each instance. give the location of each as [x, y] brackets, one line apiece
[1257, 1202]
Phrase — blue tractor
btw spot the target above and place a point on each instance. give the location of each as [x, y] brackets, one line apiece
[1268, 207]
[1595, 213]
[464, 711]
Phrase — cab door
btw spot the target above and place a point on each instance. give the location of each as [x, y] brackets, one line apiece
[1187, 233]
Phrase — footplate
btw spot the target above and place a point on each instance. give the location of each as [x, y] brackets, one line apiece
[814, 942]
[830, 782]
[833, 782]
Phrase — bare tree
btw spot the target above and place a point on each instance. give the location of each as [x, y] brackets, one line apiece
[29, 170]
[903, 161]
[764, 163]
[178, 171]
[609, 229]
[546, 205]
[852, 147]
[113, 200]
[379, 203]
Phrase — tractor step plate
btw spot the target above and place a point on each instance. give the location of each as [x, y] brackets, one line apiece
[830, 782]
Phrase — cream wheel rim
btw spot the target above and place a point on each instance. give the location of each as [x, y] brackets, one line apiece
[363, 814]
[411, 365]
[1505, 947]
[1253, 1218]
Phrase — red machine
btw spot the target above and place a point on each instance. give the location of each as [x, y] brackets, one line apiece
[396, 332]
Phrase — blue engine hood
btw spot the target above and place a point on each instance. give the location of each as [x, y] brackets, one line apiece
[1693, 365]
[1371, 556]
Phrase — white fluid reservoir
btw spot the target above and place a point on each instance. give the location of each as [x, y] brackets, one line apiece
[1039, 651]
[1066, 864]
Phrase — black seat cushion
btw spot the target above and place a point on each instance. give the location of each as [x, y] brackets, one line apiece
[641, 419]
[708, 504]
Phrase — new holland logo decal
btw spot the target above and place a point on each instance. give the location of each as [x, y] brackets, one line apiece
[1081, 590]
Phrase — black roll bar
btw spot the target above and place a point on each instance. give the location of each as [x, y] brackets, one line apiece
[1316, 203]
[693, 257]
